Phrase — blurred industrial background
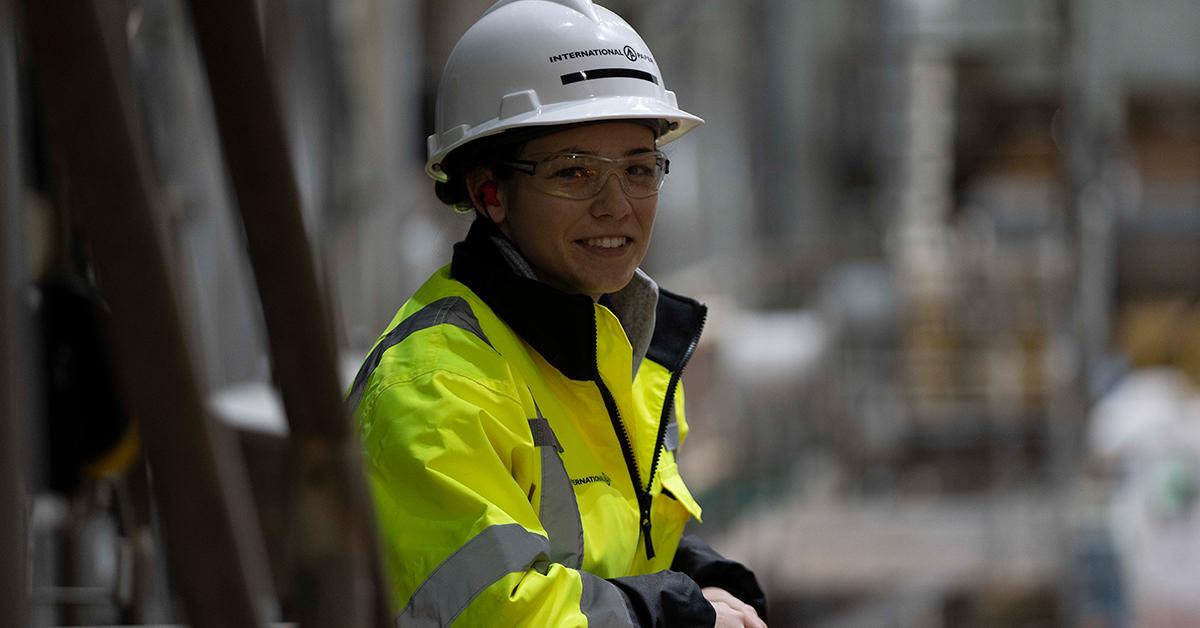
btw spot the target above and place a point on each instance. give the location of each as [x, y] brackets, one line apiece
[951, 250]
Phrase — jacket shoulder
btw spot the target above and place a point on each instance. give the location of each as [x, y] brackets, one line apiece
[439, 330]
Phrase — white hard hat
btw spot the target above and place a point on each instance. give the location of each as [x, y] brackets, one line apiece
[543, 62]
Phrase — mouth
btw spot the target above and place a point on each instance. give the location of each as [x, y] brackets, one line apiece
[605, 242]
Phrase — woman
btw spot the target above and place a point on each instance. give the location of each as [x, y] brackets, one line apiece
[521, 414]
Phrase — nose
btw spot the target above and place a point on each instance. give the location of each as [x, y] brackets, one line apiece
[612, 200]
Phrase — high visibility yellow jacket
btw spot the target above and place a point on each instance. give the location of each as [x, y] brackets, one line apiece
[522, 457]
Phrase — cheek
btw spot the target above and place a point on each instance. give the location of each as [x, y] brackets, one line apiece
[537, 226]
[646, 210]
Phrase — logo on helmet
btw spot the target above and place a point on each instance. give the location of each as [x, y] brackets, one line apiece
[628, 52]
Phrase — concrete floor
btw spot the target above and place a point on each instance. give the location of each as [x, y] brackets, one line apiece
[894, 563]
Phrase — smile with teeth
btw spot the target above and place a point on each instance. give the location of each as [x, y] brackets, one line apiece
[606, 243]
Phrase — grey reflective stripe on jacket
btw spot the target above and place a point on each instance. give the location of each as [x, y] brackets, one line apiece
[671, 441]
[603, 604]
[559, 511]
[448, 311]
[494, 553]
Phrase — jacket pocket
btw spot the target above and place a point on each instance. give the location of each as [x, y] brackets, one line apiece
[670, 511]
[677, 491]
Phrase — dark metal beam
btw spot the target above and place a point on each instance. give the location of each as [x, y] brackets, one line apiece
[336, 569]
[16, 369]
[215, 556]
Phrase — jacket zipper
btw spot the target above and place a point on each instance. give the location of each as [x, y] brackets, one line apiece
[643, 497]
[614, 415]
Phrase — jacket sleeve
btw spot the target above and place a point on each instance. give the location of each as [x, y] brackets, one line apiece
[452, 470]
[666, 598]
[710, 569]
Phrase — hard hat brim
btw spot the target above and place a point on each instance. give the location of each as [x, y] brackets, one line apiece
[592, 110]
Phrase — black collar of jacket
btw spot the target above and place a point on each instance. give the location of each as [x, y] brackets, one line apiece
[560, 326]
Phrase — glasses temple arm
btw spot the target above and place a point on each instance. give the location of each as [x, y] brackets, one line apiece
[520, 165]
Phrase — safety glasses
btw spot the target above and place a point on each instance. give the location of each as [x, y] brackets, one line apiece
[580, 177]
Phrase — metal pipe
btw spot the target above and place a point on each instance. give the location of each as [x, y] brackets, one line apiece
[83, 78]
[337, 573]
[15, 365]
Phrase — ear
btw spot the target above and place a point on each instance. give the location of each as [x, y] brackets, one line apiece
[486, 194]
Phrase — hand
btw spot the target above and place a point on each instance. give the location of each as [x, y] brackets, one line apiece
[731, 612]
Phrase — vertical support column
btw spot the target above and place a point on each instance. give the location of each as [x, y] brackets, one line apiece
[16, 369]
[796, 197]
[215, 556]
[1095, 120]
[920, 135]
[379, 188]
[723, 196]
[337, 575]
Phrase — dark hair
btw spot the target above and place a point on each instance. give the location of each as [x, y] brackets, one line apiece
[489, 151]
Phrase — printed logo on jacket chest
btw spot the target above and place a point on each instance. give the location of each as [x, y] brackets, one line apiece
[591, 479]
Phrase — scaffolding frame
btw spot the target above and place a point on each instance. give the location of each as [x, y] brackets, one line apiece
[217, 559]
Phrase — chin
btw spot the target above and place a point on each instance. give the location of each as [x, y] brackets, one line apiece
[597, 284]
[610, 287]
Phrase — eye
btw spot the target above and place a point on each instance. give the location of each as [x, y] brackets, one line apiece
[571, 172]
[642, 168]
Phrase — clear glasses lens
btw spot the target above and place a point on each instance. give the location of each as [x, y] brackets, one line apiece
[571, 175]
